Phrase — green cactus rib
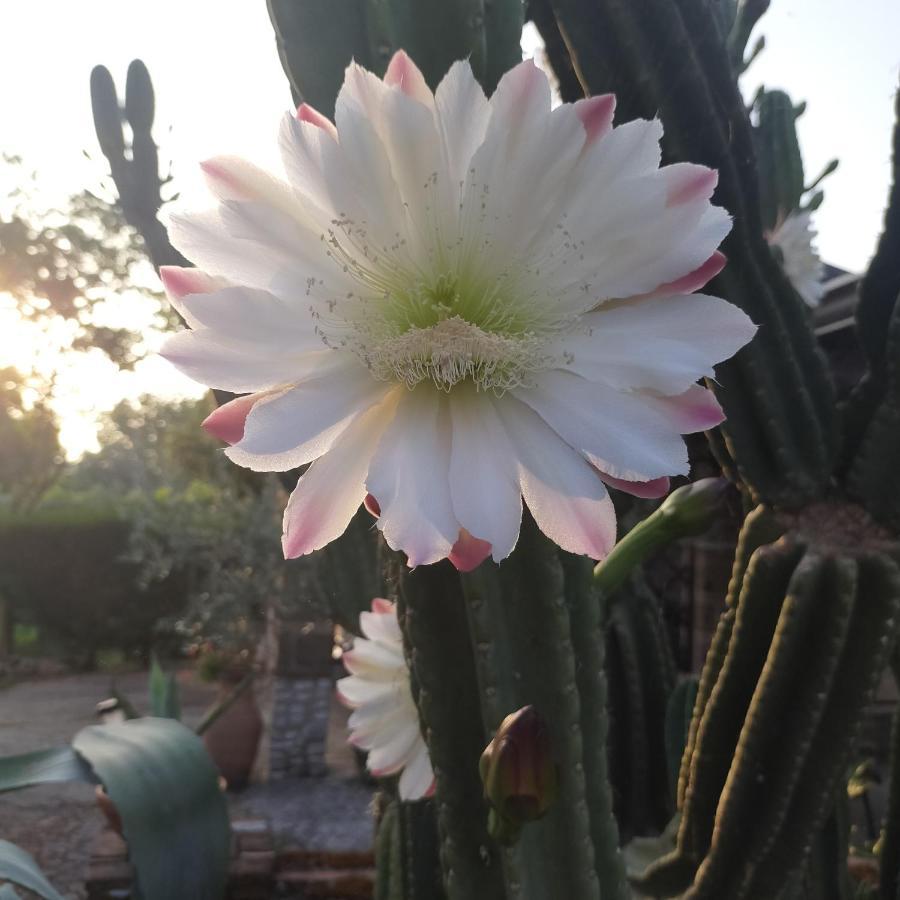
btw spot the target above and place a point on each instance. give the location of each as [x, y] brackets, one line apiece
[522, 627]
[432, 611]
[316, 39]
[677, 727]
[434, 33]
[873, 478]
[778, 157]
[669, 57]
[630, 752]
[760, 528]
[388, 855]
[881, 285]
[747, 14]
[890, 850]
[421, 868]
[781, 721]
[640, 664]
[588, 644]
[865, 653]
[541, 15]
[765, 582]
[503, 22]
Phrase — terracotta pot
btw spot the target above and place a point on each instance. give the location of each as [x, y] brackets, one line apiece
[233, 739]
[107, 807]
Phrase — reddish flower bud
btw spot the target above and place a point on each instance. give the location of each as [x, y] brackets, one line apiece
[518, 773]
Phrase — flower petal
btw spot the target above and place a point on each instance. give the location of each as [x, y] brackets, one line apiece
[404, 74]
[408, 477]
[483, 479]
[330, 492]
[301, 423]
[355, 690]
[596, 114]
[215, 361]
[227, 422]
[462, 114]
[381, 627]
[629, 434]
[395, 752]
[307, 113]
[468, 552]
[418, 777]
[647, 490]
[663, 343]
[564, 494]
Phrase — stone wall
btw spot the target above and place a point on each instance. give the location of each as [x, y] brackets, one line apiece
[299, 727]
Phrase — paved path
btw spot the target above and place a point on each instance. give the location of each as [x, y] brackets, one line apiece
[57, 823]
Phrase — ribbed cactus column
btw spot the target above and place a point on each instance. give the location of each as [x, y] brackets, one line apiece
[669, 58]
[535, 623]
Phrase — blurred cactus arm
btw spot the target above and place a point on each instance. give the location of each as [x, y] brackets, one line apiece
[134, 169]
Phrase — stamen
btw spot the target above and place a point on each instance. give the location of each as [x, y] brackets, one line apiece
[453, 351]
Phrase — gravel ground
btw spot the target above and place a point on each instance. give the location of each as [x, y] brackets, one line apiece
[58, 823]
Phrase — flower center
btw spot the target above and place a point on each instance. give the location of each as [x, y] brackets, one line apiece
[454, 350]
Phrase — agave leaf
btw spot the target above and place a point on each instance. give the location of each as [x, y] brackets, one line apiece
[164, 786]
[42, 767]
[18, 866]
[164, 699]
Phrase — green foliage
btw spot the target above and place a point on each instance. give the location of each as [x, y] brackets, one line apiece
[164, 699]
[64, 570]
[61, 265]
[42, 767]
[30, 454]
[18, 867]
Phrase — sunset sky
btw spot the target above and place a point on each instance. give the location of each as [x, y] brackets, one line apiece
[220, 88]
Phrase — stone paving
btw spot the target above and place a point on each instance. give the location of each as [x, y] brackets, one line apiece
[58, 823]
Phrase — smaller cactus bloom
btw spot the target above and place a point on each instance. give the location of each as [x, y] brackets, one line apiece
[518, 773]
[385, 721]
[449, 306]
[792, 242]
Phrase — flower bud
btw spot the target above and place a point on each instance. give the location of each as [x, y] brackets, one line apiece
[518, 773]
[692, 509]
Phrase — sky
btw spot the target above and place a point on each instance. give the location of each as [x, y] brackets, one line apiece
[220, 89]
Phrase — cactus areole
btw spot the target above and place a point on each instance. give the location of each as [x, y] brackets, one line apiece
[453, 304]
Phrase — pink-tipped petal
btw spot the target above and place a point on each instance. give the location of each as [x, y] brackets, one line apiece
[596, 114]
[227, 422]
[371, 505]
[695, 410]
[647, 490]
[693, 281]
[307, 113]
[403, 73]
[224, 180]
[382, 606]
[468, 552]
[687, 182]
[178, 281]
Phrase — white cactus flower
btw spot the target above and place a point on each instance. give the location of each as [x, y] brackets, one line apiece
[794, 239]
[454, 304]
[384, 721]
